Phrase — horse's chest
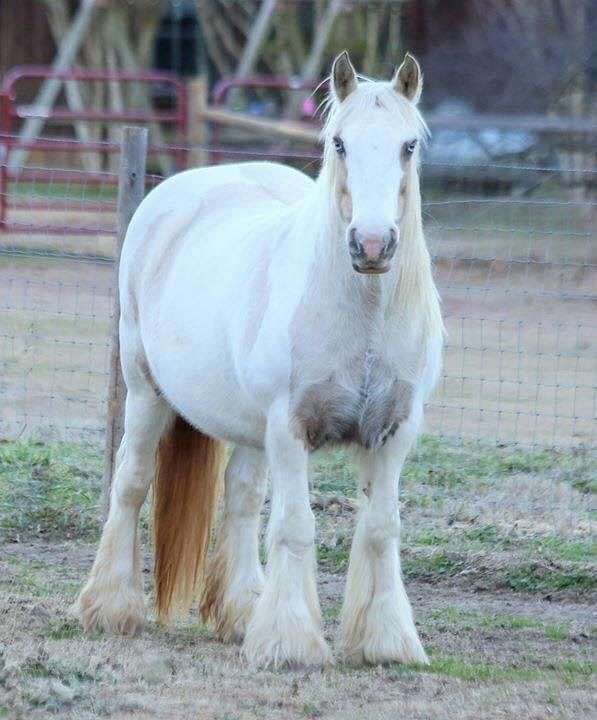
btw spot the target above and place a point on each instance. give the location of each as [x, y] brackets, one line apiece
[364, 406]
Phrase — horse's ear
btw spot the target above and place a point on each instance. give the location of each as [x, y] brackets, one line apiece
[344, 77]
[408, 80]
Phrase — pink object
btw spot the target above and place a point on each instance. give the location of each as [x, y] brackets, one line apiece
[372, 246]
[308, 108]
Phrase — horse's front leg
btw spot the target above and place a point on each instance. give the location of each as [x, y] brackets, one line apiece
[377, 623]
[286, 626]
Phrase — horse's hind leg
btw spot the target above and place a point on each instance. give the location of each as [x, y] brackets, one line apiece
[235, 577]
[112, 599]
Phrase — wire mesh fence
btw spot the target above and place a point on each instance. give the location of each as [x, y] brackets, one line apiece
[518, 278]
[516, 269]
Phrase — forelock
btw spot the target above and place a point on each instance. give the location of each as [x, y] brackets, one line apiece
[372, 97]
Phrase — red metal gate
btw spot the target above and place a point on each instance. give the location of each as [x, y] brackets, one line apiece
[12, 112]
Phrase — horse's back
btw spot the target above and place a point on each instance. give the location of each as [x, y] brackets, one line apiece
[220, 187]
[196, 205]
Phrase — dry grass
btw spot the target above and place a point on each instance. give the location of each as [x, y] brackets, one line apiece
[474, 520]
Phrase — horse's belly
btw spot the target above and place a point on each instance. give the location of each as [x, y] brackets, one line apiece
[200, 316]
[186, 342]
[202, 386]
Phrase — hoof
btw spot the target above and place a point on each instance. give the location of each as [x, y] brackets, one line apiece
[278, 641]
[115, 611]
[382, 651]
[230, 619]
[385, 633]
[228, 604]
[381, 648]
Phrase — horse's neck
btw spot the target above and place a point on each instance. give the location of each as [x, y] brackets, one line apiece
[401, 294]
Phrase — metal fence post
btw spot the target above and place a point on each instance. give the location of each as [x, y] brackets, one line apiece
[131, 189]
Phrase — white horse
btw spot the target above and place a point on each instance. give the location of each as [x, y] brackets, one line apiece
[279, 314]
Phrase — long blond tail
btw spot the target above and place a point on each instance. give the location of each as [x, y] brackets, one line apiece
[185, 495]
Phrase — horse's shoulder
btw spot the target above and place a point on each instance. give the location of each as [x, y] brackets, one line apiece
[280, 182]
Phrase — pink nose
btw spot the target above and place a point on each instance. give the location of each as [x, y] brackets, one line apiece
[372, 247]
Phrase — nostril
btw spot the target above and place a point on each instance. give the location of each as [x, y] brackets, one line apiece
[353, 244]
[393, 239]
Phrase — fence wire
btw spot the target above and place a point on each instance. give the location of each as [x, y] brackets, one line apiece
[516, 269]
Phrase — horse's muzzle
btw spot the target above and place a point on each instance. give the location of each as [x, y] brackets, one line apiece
[371, 254]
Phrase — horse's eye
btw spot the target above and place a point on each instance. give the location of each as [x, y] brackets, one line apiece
[409, 148]
[339, 145]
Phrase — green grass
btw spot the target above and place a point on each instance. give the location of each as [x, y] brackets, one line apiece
[437, 463]
[557, 631]
[484, 534]
[64, 629]
[516, 574]
[53, 491]
[334, 471]
[311, 710]
[536, 577]
[452, 619]
[538, 564]
[24, 578]
[49, 490]
[334, 558]
[30, 577]
[572, 550]
[506, 621]
[455, 620]
[433, 566]
[43, 667]
[478, 671]
[332, 612]
[571, 671]
[433, 538]
[66, 191]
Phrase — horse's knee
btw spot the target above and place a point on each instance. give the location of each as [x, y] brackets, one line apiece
[245, 494]
[382, 528]
[133, 478]
[245, 484]
[295, 529]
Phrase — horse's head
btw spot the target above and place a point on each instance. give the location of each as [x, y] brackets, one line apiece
[372, 135]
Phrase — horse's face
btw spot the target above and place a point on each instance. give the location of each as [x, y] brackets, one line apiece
[375, 148]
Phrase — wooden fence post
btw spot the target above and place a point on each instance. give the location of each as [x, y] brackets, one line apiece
[131, 189]
[198, 131]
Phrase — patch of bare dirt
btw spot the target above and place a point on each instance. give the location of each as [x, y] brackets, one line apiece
[49, 669]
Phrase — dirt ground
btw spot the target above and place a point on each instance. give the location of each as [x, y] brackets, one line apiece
[505, 667]
[499, 559]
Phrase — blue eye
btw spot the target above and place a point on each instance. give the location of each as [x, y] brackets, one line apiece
[339, 145]
[409, 148]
